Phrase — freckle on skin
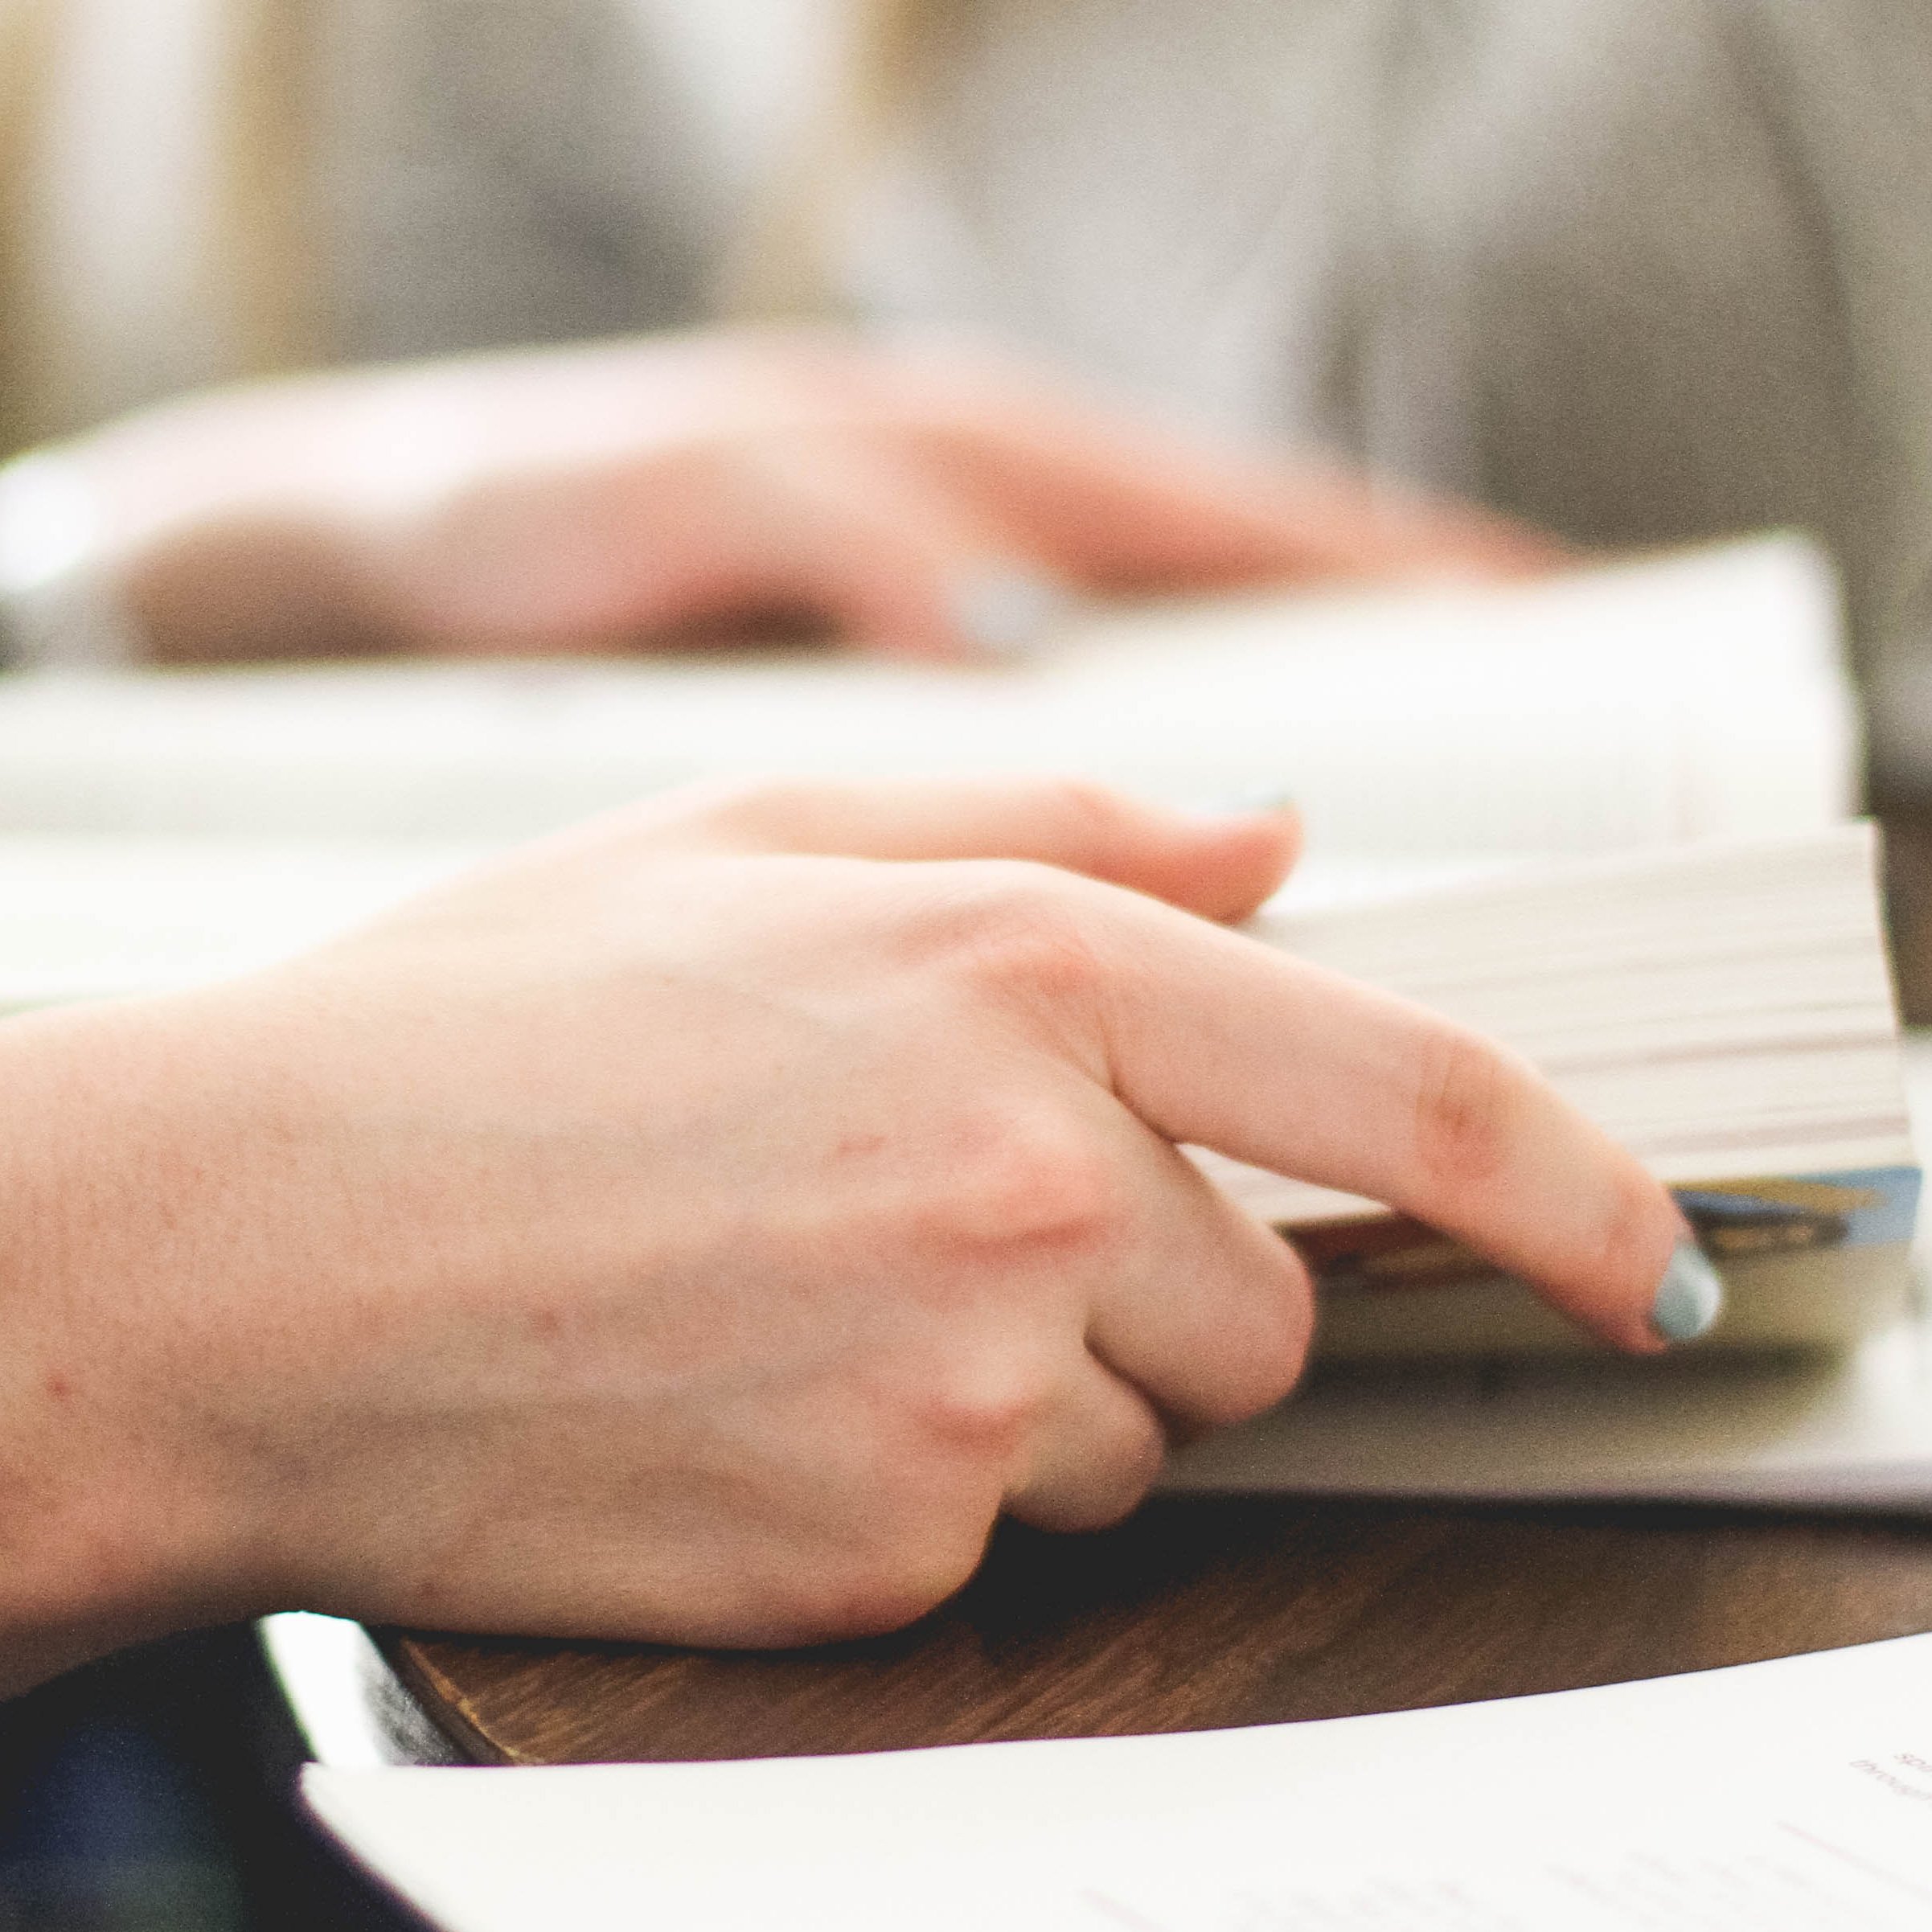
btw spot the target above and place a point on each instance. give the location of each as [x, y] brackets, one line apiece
[58, 1386]
[546, 1322]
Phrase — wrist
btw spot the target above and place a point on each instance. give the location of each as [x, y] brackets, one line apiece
[122, 1516]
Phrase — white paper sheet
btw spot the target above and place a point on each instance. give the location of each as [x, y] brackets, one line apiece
[1793, 1796]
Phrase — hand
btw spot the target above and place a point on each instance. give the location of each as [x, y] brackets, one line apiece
[596, 498]
[702, 1226]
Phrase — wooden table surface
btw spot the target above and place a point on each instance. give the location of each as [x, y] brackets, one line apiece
[1205, 1613]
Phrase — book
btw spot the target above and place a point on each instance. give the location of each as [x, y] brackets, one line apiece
[1789, 1796]
[1849, 1427]
[1724, 1010]
[1693, 696]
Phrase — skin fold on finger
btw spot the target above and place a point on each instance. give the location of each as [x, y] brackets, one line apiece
[1214, 1038]
[1222, 867]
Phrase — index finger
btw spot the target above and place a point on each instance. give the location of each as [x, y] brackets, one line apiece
[1215, 1039]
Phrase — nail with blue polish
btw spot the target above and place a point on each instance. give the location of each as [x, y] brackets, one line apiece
[1689, 1298]
[1006, 614]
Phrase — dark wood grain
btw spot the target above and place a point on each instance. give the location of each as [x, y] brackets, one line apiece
[1203, 1613]
[1198, 1614]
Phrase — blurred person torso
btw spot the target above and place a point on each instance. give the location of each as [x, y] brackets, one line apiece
[1636, 269]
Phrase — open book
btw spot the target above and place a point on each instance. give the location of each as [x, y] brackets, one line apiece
[1791, 1796]
[1701, 695]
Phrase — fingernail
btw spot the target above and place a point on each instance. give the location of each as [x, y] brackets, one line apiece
[1006, 614]
[1689, 1298]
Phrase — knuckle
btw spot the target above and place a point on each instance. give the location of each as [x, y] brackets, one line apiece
[1111, 1494]
[1258, 1349]
[1278, 1347]
[1013, 929]
[1136, 1470]
[1014, 1182]
[1467, 1111]
[757, 812]
[1293, 1340]
[982, 1421]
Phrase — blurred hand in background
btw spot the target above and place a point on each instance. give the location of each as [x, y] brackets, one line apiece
[918, 504]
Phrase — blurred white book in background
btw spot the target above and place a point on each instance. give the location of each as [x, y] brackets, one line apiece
[98, 918]
[1701, 695]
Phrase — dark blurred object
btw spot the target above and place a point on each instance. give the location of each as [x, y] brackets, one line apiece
[152, 1793]
[1908, 865]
